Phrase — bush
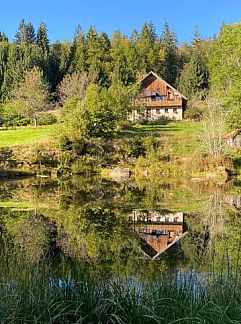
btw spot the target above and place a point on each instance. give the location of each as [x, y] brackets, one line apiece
[124, 125]
[47, 119]
[162, 120]
[134, 147]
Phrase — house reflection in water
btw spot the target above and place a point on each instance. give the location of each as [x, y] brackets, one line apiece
[158, 230]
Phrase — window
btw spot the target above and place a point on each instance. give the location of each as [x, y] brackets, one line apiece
[166, 110]
[158, 111]
[175, 110]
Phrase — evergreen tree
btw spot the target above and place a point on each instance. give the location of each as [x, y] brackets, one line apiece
[148, 48]
[25, 33]
[98, 56]
[78, 55]
[196, 36]
[13, 72]
[124, 59]
[194, 77]
[169, 68]
[3, 37]
[3, 65]
[42, 39]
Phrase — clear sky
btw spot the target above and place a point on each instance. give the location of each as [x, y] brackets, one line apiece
[62, 16]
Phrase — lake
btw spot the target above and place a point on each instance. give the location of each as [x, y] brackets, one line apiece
[124, 228]
[72, 231]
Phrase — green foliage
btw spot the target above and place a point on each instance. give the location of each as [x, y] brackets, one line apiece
[47, 119]
[169, 55]
[32, 94]
[194, 77]
[42, 39]
[25, 33]
[96, 115]
[225, 67]
[3, 37]
[134, 147]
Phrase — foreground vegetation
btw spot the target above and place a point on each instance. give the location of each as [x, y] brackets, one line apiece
[174, 299]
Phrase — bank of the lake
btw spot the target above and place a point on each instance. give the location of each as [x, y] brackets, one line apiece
[170, 149]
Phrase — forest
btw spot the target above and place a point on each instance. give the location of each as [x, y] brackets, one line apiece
[37, 76]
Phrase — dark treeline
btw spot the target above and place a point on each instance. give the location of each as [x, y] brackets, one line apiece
[104, 59]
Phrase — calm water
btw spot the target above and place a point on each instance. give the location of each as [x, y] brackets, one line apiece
[108, 229]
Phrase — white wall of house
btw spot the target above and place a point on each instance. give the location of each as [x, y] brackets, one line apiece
[175, 113]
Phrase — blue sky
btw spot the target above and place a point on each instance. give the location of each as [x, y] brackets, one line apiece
[62, 16]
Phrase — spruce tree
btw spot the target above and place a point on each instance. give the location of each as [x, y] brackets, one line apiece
[25, 33]
[3, 37]
[194, 77]
[42, 38]
[169, 68]
[148, 48]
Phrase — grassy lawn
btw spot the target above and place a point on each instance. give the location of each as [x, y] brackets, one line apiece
[172, 128]
[26, 135]
[183, 137]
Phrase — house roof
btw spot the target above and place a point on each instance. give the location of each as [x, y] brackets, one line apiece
[233, 134]
[170, 86]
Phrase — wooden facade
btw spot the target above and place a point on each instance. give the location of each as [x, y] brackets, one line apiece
[157, 98]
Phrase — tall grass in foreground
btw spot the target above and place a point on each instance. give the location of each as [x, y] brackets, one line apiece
[38, 297]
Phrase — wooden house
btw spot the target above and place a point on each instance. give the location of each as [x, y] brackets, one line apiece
[157, 98]
[233, 138]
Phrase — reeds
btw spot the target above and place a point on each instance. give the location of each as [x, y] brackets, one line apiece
[37, 296]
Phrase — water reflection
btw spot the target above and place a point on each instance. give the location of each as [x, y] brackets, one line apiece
[159, 230]
[109, 225]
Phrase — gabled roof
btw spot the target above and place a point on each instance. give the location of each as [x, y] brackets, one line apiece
[233, 134]
[167, 84]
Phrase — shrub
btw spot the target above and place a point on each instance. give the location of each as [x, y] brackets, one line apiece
[134, 147]
[47, 119]
[124, 125]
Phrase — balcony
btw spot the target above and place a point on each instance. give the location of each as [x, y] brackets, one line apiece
[146, 102]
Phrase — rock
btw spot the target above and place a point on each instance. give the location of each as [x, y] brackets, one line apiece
[120, 174]
[198, 179]
[222, 169]
[211, 175]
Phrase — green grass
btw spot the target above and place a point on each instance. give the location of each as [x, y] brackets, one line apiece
[176, 127]
[16, 204]
[34, 298]
[26, 135]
